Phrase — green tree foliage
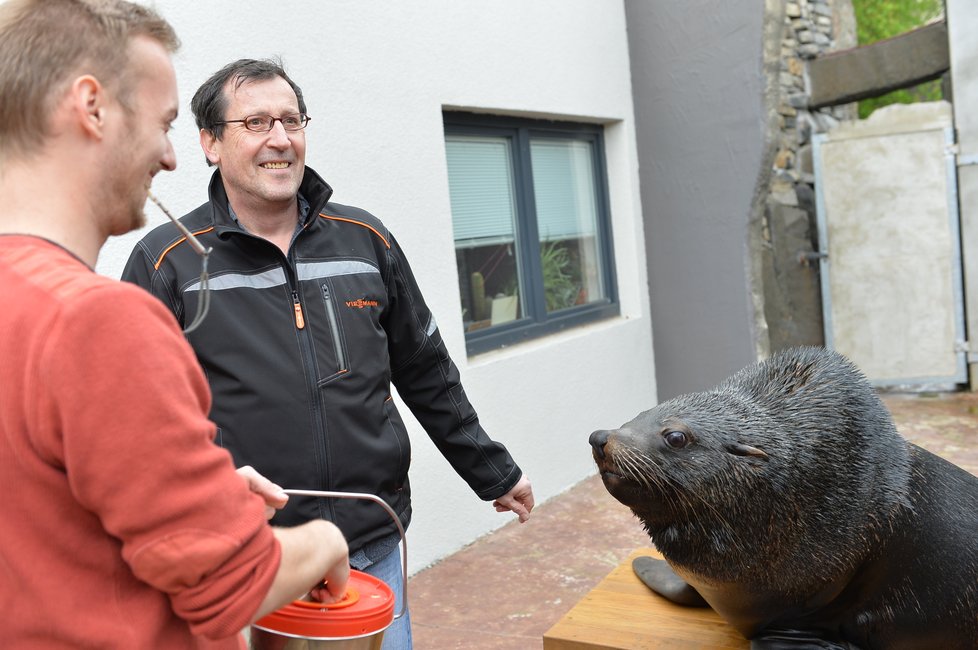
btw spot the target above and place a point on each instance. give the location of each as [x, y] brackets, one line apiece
[881, 19]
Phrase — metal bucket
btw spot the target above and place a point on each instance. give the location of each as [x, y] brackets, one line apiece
[355, 622]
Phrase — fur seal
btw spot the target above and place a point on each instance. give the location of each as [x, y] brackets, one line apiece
[785, 499]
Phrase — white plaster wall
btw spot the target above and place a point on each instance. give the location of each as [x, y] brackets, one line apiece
[376, 76]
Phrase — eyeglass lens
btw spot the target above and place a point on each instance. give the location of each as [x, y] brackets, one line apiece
[290, 122]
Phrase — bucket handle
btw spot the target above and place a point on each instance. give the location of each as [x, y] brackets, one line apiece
[390, 511]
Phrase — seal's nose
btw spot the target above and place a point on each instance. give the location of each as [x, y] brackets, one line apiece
[598, 440]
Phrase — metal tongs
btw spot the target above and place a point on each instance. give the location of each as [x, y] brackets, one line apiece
[205, 295]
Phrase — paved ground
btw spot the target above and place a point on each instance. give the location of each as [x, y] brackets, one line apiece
[505, 590]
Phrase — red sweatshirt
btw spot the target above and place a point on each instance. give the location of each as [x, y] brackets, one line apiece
[123, 525]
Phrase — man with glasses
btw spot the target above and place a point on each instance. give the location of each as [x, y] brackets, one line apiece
[124, 525]
[314, 312]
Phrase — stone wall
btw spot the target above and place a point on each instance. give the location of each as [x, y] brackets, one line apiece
[789, 266]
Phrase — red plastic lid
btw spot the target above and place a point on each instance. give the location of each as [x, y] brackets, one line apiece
[365, 609]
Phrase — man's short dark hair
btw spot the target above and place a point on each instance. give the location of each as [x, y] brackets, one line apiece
[210, 101]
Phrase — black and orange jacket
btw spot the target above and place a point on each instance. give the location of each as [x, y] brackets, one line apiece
[300, 352]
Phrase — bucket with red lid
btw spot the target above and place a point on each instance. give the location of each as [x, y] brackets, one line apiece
[355, 622]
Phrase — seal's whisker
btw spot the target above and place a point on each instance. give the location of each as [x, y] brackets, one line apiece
[627, 464]
[652, 469]
[634, 457]
[707, 502]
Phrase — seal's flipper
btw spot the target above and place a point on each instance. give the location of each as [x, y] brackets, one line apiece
[794, 640]
[660, 578]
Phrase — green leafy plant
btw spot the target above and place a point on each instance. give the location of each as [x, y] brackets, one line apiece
[558, 284]
[881, 19]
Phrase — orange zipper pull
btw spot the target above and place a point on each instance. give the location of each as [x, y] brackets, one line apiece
[300, 322]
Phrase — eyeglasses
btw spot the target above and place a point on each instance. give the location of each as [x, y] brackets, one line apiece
[264, 123]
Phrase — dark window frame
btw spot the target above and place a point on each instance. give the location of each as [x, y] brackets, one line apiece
[536, 322]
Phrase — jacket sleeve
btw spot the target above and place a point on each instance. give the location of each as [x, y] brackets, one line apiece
[139, 453]
[429, 383]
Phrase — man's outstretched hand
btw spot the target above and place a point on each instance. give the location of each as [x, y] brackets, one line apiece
[518, 500]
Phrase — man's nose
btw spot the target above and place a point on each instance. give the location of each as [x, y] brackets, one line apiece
[278, 136]
[169, 159]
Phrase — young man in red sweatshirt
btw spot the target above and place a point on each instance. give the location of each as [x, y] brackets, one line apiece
[124, 525]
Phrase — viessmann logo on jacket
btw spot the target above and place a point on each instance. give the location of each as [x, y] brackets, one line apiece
[360, 303]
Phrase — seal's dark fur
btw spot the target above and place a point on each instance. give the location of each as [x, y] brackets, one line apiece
[787, 499]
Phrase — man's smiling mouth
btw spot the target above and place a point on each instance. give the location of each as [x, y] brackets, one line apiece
[274, 165]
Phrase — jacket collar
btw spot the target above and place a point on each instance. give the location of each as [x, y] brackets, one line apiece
[313, 188]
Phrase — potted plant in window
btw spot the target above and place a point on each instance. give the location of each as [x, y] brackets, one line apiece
[559, 289]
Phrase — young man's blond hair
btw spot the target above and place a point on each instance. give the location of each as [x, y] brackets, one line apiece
[80, 37]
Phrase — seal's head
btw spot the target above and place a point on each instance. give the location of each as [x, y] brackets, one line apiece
[786, 460]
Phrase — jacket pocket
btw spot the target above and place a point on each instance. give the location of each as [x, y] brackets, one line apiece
[335, 333]
[396, 427]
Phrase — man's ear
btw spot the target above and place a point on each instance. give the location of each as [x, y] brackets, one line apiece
[208, 142]
[88, 98]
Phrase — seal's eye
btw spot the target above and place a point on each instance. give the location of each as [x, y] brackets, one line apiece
[676, 439]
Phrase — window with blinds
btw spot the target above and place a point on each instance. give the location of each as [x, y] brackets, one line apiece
[531, 226]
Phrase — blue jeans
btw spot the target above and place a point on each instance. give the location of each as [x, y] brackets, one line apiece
[388, 569]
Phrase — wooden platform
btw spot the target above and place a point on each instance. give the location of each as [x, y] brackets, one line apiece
[622, 613]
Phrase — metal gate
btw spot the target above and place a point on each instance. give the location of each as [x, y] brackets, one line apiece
[891, 275]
